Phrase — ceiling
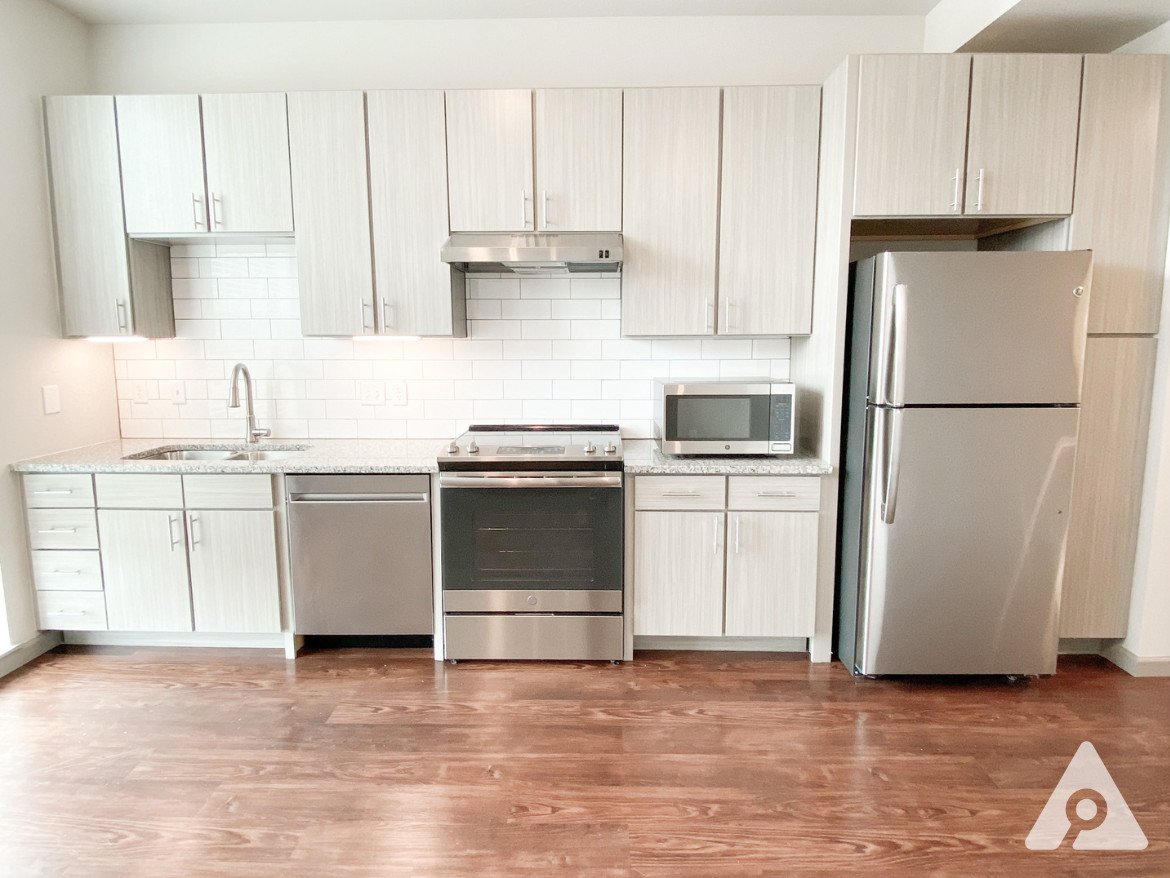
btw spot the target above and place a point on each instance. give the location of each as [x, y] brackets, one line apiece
[210, 11]
[1069, 26]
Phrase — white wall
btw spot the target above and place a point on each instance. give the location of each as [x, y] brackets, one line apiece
[1156, 42]
[42, 51]
[717, 50]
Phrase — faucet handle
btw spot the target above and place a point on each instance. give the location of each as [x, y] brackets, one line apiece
[260, 433]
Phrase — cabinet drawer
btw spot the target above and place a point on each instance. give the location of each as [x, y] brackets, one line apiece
[71, 610]
[67, 571]
[801, 494]
[679, 492]
[135, 491]
[62, 529]
[58, 489]
[251, 491]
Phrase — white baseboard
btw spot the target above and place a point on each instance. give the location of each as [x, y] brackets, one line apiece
[23, 653]
[177, 638]
[724, 644]
[1137, 665]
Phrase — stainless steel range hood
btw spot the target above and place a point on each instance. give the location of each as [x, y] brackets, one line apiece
[534, 252]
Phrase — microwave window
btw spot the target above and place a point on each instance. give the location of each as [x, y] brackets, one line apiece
[725, 418]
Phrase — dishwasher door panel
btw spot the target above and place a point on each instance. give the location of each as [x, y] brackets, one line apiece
[361, 566]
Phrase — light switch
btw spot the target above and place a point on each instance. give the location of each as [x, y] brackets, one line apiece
[51, 398]
[372, 392]
[177, 392]
[397, 392]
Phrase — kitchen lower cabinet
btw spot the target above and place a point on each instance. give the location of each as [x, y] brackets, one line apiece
[144, 556]
[678, 573]
[732, 556]
[234, 582]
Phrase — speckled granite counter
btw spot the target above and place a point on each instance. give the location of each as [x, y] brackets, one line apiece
[311, 456]
[642, 457]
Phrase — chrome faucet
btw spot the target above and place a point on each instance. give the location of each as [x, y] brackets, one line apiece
[253, 433]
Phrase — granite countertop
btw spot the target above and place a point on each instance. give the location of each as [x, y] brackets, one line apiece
[642, 457]
[312, 456]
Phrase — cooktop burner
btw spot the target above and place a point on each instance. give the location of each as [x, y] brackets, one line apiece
[535, 446]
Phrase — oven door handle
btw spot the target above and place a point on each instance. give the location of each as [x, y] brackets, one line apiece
[530, 480]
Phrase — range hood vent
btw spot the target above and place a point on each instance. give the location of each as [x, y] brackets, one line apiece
[535, 252]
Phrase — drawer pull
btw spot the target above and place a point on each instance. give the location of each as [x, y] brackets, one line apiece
[61, 573]
[680, 493]
[790, 495]
[66, 613]
[55, 492]
[58, 530]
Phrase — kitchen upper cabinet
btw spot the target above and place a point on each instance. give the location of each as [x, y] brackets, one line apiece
[1122, 208]
[245, 138]
[911, 134]
[670, 158]
[925, 149]
[578, 136]
[678, 573]
[771, 564]
[1107, 486]
[331, 201]
[415, 292]
[489, 160]
[109, 286]
[144, 557]
[1022, 143]
[767, 210]
[163, 140]
[234, 582]
[160, 139]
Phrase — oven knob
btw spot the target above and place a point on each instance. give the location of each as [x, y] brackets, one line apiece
[590, 448]
[611, 448]
[532, 600]
[472, 448]
[452, 448]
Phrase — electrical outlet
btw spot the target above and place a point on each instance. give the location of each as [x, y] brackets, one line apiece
[397, 392]
[139, 392]
[372, 392]
[51, 398]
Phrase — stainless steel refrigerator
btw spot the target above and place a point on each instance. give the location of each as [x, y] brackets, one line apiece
[963, 391]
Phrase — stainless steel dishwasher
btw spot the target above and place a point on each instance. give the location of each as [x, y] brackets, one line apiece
[360, 549]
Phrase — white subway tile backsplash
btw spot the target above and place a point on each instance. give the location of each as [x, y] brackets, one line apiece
[540, 349]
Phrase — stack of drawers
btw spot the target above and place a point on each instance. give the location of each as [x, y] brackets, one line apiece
[66, 564]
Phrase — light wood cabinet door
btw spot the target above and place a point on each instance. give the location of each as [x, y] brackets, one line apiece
[578, 137]
[245, 139]
[408, 202]
[678, 573]
[331, 206]
[771, 574]
[489, 160]
[768, 209]
[1107, 486]
[1022, 138]
[234, 582]
[670, 160]
[1122, 208]
[911, 135]
[144, 559]
[160, 139]
[92, 266]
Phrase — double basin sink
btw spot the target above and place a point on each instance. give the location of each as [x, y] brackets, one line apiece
[246, 455]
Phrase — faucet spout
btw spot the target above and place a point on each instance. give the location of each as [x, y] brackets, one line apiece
[252, 432]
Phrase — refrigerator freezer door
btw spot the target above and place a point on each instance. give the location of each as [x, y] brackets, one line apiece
[974, 328]
[963, 530]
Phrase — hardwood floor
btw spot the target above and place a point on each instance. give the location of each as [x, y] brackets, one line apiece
[124, 762]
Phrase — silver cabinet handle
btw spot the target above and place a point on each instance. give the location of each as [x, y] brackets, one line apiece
[727, 316]
[387, 321]
[215, 214]
[61, 573]
[708, 314]
[715, 535]
[362, 306]
[955, 200]
[123, 322]
[523, 209]
[790, 495]
[194, 524]
[53, 492]
[71, 614]
[173, 520]
[195, 202]
[544, 200]
[979, 191]
[58, 530]
[737, 534]
[680, 493]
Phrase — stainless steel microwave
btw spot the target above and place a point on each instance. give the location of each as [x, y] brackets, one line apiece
[706, 416]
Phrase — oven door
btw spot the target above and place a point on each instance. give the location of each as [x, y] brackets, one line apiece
[545, 542]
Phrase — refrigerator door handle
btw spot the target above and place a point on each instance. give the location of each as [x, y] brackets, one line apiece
[892, 447]
[896, 371]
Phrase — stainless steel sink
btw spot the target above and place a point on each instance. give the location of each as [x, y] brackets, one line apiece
[275, 454]
[187, 454]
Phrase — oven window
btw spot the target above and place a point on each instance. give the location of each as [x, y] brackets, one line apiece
[532, 538]
[717, 418]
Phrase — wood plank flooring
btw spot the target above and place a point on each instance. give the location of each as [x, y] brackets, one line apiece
[126, 762]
